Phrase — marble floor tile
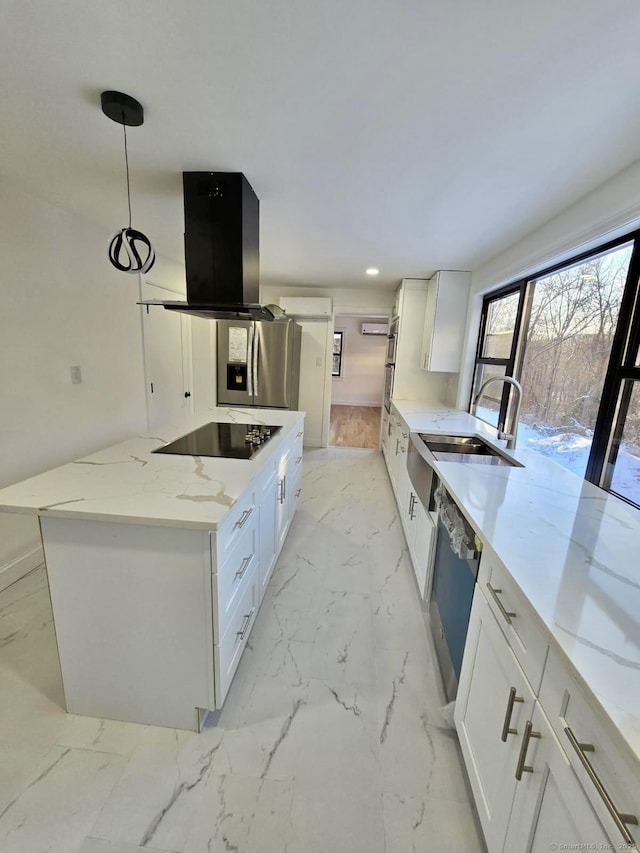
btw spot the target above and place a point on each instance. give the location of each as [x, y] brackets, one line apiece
[331, 737]
[419, 824]
[59, 805]
[101, 845]
[336, 816]
[241, 813]
[154, 800]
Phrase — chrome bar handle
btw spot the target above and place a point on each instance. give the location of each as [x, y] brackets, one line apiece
[245, 624]
[397, 443]
[619, 818]
[411, 499]
[412, 506]
[243, 518]
[243, 566]
[281, 491]
[284, 487]
[506, 730]
[528, 734]
[508, 615]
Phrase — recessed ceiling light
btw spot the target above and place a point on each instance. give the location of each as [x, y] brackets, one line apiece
[372, 271]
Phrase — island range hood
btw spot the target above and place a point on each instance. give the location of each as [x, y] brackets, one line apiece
[221, 247]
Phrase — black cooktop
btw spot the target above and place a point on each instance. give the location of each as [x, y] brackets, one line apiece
[231, 441]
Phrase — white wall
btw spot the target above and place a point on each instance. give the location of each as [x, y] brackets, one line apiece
[345, 300]
[363, 358]
[611, 210]
[63, 304]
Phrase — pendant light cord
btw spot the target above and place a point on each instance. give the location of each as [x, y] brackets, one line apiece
[126, 160]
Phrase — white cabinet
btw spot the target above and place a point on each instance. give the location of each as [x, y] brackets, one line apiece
[151, 621]
[493, 704]
[420, 533]
[289, 486]
[550, 807]
[445, 319]
[418, 527]
[544, 770]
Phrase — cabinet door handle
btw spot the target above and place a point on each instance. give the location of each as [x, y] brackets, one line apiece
[243, 518]
[506, 730]
[281, 490]
[397, 443]
[619, 818]
[508, 615]
[411, 499]
[245, 624]
[528, 734]
[243, 566]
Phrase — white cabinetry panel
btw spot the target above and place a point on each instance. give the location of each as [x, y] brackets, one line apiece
[444, 321]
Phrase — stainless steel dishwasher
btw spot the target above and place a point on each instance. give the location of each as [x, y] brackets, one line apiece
[455, 570]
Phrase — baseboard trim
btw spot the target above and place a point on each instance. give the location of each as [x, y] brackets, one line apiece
[11, 572]
[369, 404]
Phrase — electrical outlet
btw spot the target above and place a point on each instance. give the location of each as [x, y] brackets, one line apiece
[76, 374]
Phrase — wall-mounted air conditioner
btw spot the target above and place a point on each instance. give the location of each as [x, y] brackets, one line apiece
[375, 329]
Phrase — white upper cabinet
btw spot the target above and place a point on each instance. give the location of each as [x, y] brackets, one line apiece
[444, 321]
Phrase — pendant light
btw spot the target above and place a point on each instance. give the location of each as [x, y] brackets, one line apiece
[129, 250]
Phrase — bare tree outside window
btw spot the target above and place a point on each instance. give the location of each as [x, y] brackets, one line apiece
[573, 318]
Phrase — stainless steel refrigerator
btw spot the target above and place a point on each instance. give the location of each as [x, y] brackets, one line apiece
[259, 363]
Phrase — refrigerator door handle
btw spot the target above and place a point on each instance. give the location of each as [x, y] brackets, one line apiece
[250, 344]
[254, 355]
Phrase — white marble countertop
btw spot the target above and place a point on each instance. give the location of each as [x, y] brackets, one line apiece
[570, 547]
[129, 483]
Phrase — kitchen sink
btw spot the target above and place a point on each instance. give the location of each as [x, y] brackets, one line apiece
[465, 448]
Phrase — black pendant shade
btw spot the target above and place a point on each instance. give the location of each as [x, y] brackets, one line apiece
[129, 250]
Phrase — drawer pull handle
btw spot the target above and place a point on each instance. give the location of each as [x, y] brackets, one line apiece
[619, 818]
[506, 730]
[243, 518]
[528, 734]
[245, 624]
[243, 566]
[508, 615]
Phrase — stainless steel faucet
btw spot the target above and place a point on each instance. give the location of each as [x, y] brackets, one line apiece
[512, 433]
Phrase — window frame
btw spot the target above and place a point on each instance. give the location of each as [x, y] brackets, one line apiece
[623, 368]
[340, 374]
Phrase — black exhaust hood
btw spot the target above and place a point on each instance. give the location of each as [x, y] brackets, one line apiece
[221, 247]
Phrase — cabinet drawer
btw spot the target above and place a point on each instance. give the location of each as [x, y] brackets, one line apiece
[232, 576]
[230, 531]
[227, 654]
[515, 617]
[568, 706]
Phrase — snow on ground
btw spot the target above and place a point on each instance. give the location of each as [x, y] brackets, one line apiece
[571, 450]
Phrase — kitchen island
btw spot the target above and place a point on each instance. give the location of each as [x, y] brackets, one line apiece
[555, 619]
[157, 564]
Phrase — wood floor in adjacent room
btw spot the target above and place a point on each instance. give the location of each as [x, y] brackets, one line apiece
[355, 426]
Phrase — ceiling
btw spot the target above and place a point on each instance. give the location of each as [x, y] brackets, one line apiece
[409, 135]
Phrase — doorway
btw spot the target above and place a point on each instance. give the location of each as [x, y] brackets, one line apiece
[357, 380]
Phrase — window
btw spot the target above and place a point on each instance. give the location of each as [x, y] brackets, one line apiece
[336, 368]
[571, 336]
